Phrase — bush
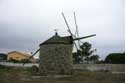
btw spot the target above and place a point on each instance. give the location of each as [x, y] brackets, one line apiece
[115, 58]
[1, 66]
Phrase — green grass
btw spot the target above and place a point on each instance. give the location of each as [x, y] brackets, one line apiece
[21, 75]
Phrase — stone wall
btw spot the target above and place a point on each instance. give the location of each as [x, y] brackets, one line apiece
[55, 59]
[100, 67]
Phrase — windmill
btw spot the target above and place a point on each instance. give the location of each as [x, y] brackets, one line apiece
[56, 52]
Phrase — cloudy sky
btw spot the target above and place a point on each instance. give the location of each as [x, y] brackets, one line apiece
[24, 24]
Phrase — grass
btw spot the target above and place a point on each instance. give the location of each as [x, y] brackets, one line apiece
[21, 75]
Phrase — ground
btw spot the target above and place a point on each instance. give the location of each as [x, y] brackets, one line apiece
[26, 75]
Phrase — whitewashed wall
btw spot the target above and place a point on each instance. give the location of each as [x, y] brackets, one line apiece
[100, 67]
[10, 64]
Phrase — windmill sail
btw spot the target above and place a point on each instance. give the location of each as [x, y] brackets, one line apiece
[69, 30]
[35, 53]
[67, 24]
[76, 33]
[84, 37]
[32, 55]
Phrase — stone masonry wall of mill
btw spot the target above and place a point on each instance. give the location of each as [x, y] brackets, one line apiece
[55, 59]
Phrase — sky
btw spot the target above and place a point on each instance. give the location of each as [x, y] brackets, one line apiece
[24, 24]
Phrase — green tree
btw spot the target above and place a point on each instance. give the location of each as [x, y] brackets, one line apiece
[86, 51]
[76, 57]
[115, 58]
[94, 58]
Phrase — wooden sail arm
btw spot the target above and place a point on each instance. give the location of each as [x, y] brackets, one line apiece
[84, 37]
[32, 55]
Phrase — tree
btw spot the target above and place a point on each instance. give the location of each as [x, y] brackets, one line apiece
[86, 51]
[94, 58]
[83, 53]
[3, 57]
[76, 57]
[115, 58]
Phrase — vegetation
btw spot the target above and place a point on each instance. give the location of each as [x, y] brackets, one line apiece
[85, 54]
[25, 75]
[94, 58]
[3, 56]
[77, 58]
[115, 58]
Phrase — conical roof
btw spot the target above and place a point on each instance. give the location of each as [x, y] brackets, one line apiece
[56, 39]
